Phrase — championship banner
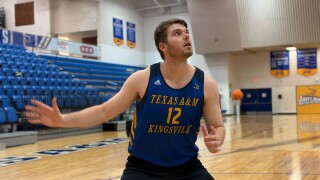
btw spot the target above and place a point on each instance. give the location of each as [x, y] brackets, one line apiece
[17, 38]
[131, 35]
[117, 31]
[308, 99]
[5, 36]
[308, 126]
[279, 63]
[30, 40]
[307, 62]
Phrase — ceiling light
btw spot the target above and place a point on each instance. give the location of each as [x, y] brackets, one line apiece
[291, 48]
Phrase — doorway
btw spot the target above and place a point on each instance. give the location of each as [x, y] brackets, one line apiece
[91, 41]
[256, 101]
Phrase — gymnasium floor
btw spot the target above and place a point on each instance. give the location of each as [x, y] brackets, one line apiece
[257, 147]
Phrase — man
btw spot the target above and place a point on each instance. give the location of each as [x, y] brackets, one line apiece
[171, 97]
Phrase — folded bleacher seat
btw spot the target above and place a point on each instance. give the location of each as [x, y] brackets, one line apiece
[11, 114]
[12, 80]
[3, 116]
[3, 80]
[8, 90]
[18, 102]
[5, 101]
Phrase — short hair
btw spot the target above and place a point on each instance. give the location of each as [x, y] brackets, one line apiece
[161, 32]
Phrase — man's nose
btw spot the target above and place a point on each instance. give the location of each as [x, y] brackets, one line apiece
[186, 35]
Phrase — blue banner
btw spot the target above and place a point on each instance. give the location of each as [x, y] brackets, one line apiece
[5, 36]
[307, 61]
[17, 38]
[279, 63]
[117, 31]
[131, 35]
[30, 40]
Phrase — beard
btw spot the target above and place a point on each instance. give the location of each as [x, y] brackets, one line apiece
[174, 52]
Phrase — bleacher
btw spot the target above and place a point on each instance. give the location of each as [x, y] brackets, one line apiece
[106, 77]
[76, 83]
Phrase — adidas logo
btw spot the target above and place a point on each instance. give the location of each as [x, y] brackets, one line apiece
[157, 82]
[196, 86]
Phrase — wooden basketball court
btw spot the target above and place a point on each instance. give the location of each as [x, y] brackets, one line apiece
[256, 147]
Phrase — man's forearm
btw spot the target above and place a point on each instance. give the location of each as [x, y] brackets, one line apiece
[88, 117]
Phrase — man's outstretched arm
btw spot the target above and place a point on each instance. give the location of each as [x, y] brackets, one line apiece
[51, 116]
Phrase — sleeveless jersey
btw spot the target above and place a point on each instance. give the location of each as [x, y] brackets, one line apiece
[167, 121]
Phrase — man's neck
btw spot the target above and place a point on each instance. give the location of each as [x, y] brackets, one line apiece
[176, 71]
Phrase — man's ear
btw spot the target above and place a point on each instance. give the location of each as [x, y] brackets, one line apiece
[162, 46]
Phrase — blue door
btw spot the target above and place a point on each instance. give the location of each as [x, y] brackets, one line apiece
[264, 100]
[249, 101]
[256, 100]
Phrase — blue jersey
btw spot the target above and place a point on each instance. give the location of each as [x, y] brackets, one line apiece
[167, 121]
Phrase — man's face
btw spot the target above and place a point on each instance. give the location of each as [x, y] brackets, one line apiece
[179, 44]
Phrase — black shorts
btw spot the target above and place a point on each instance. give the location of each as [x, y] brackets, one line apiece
[137, 169]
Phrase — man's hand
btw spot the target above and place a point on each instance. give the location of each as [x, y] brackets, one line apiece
[41, 113]
[211, 139]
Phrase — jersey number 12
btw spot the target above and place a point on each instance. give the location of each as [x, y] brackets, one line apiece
[174, 119]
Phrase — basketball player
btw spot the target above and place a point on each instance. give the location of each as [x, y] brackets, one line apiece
[171, 97]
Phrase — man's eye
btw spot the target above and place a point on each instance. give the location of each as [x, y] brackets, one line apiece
[177, 33]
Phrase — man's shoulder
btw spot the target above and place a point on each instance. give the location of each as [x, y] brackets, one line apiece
[142, 73]
[209, 81]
